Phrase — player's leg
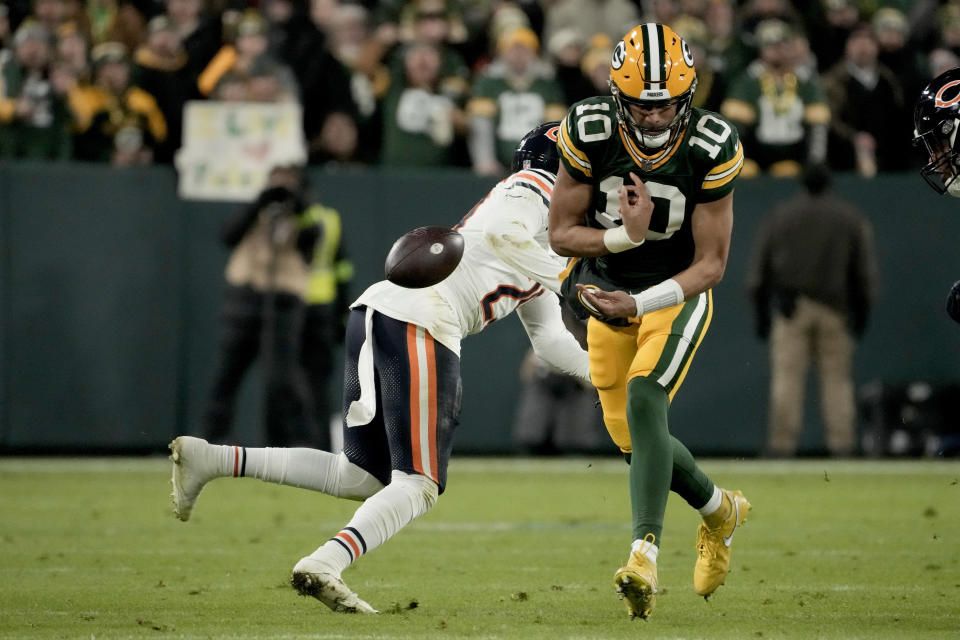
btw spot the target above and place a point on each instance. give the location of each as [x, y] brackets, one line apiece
[789, 360]
[419, 406]
[833, 349]
[196, 462]
[611, 351]
[668, 342]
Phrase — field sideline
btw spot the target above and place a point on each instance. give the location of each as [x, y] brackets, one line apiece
[516, 548]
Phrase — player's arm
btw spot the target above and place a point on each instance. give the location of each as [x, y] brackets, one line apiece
[509, 228]
[711, 224]
[543, 322]
[569, 236]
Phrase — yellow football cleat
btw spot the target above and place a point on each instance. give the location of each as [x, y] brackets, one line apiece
[713, 546]
[636, 583]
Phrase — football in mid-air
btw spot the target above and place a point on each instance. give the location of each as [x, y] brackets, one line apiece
[423, 257]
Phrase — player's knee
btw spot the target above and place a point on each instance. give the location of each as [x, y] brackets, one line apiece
[421, 489]
[355, 483]
[643, 392]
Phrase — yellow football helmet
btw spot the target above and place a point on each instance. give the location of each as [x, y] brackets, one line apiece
[652, 67]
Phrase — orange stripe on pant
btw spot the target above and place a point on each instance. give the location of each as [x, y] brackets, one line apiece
[424, 449]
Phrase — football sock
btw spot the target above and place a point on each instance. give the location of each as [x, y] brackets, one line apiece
[649, 550]
[313, 469]
[651, 463]
[407, 497]
[688, 481]
[717, 510]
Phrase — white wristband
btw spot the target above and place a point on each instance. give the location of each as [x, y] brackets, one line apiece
[617, 240]
[666, 294]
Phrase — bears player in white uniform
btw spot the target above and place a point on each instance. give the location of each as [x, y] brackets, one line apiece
[402, 378]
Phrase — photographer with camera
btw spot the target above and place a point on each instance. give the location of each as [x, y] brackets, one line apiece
[267, 275]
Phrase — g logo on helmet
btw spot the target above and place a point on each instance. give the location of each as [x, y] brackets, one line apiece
[942, 102]
[619, 55]
[687, 53]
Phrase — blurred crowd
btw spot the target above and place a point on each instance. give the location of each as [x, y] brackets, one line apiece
[458, 82]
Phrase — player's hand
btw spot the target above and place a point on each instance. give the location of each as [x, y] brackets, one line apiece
[636, 207]
[609, 304]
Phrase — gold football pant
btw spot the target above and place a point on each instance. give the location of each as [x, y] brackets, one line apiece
[660, 347]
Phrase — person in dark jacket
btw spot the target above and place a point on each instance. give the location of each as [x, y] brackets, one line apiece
[813, 263]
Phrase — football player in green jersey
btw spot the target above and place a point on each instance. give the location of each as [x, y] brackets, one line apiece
[644, 202]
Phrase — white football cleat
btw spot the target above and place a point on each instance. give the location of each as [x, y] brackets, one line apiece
[313, 578]
[194, 464]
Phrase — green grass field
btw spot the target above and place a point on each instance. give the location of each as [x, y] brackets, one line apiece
[515, 549]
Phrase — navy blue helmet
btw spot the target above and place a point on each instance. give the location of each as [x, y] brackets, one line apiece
[936, 120]
[538, 149]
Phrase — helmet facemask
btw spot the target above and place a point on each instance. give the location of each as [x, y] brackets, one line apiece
[942, 171]
[653, 139]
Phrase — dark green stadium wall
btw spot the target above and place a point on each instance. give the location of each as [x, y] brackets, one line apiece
[110, 291]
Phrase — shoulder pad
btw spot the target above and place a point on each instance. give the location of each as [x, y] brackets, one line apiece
[588, 124]
[716, 150]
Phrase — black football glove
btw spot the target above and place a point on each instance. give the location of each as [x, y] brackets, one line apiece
[953, 302]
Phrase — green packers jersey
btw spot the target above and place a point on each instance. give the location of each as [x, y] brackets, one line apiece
[700, 166]
[778, 108]
[515, 110]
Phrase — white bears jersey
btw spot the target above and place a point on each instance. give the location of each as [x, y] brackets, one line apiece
[506, 266]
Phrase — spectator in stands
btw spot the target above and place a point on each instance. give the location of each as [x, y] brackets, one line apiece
[567, 49]
[711, 81]
[114, 120]
[424, 21]
[950, 30]
[510, 97]
[779, 107]
[596, 66]
[348, 33]
[896, 52]
[268, 80]
[267, 275]
[940, 60]
[73, 50]
[324, 81]
[249, 44]
[419, 121]
[160, 69]
[724, 50]
[865, 98]
[34, 118]
[588, 18]
[201, 35]
[813, 261]
[829, 33]
[50, 14]
[120, 21]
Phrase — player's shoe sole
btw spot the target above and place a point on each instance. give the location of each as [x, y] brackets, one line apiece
[713, 547]
[330, 590]
[637, 592]
[191, 471]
